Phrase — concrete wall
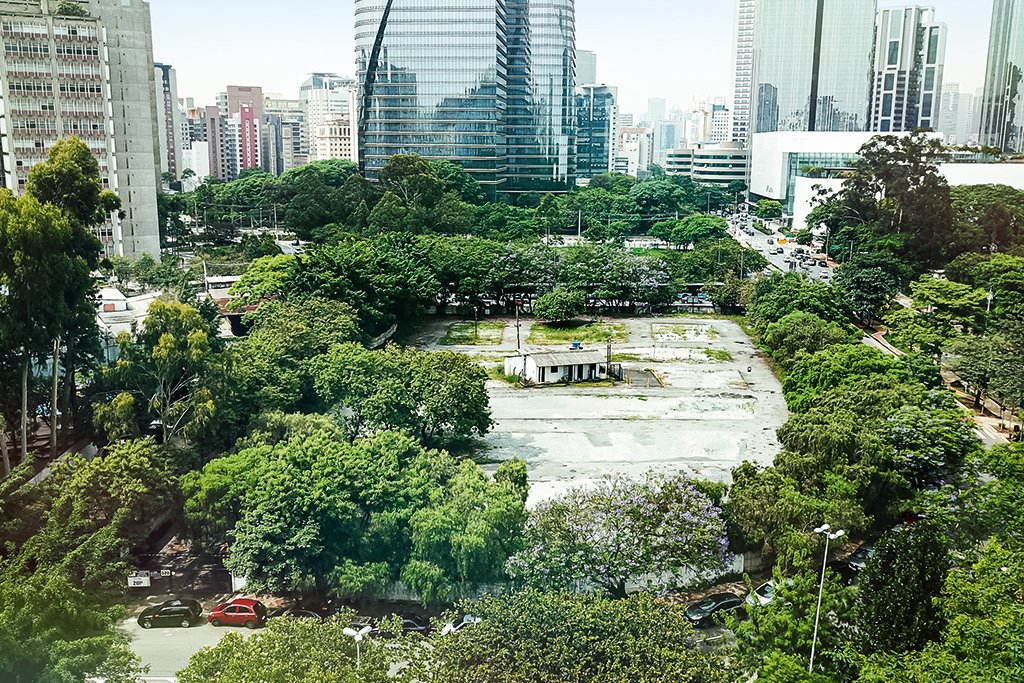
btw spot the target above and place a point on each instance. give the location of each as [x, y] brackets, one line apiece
[129, 40]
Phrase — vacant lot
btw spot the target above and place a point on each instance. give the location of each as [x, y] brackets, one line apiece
[588, 333]
[487, 333]
[721, 406]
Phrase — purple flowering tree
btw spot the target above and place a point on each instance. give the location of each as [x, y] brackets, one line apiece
[620, 532]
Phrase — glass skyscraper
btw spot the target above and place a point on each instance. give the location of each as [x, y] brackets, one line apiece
[541, 92]
[812, 65]
[595, 129]
[488, 84]
[432, 81]
[1002, 107]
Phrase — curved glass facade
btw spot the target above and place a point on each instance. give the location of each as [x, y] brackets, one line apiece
[488, 84]
[1002, 109]
[812, 65]
[541, 95]
[437, 86]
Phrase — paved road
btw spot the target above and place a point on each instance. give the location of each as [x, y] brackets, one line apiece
[759, 241]
[167, 650]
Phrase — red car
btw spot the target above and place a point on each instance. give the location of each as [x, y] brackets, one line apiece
[246, 612]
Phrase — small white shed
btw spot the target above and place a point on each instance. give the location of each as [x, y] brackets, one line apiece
[554, 367]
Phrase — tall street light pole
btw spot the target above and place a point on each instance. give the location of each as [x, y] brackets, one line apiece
[824, 529]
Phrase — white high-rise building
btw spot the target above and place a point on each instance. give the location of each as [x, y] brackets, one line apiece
[586, 68]
[89, 74]
[336, 139]
[743, 69]
[910, 55]
[325, 96]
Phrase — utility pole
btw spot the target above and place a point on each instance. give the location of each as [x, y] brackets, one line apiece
[609, 370]
[579, 224]
[519, 346]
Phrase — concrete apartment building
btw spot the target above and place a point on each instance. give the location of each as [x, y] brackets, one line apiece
[168, 119]
[87, 73]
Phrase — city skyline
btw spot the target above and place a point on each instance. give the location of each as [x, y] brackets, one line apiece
[684, 29]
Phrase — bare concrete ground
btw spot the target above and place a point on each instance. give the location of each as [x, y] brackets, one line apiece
[711, 416]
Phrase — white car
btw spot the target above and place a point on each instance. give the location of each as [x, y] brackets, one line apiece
[764, 594]
[459, 624]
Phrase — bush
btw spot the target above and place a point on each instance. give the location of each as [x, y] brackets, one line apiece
[561, 305]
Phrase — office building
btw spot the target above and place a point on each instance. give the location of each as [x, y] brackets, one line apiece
[424, 90]
[596, 132]
[743, 68]
[540, 121]
[586, 68]
[1002, 104]
[910, 53]
[720, 163]
[812, 65]
[958, 117]
[168, 118]
[284, 137]
[634, 152]
[657, 109]
[324, 97]
[496, 96]
[89, 75]
[336, 139]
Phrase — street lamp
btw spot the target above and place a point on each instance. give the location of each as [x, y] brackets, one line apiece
[358, 637]
[829, 536]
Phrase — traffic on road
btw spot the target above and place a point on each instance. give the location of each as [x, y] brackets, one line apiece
[782, 254]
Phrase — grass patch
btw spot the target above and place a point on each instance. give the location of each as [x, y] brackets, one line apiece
[719, 355]
[665, 332]
[588, 333]
[633, 358]
[467, 334]
[498, 373]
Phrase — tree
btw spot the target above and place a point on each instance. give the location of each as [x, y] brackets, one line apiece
[621, 531]
[412, 179]
[457, 181]
[289, 650]
[174, 363]
[984, 621]
[768, 209]
[311, 511]
[270, 277]
[284, 338]
[534, 637]
[431, 395]
[868, 290]
[700, 228]
[805, 333]
[836, 366]
[897, 610]
[560, 305]
[784, 628]
[976, 361]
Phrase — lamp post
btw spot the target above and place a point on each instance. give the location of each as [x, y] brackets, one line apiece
[358, 637]
[829, 536]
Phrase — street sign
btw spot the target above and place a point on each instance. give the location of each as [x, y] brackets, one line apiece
[139, 582]
[165, 572]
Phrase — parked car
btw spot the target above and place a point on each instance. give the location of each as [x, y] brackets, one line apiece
[246, 612]
[410, 624]
[459, 624]
[859, 558]
[703, 613]
[294, 613]
[176, 612]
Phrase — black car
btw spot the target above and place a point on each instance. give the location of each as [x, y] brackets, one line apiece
[703, 613]
[176, 612]
[859, 558]
[295, 613]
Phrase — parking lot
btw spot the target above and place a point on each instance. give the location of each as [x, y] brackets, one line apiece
[720, 405]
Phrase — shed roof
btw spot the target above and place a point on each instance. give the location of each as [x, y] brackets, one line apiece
[557, 358]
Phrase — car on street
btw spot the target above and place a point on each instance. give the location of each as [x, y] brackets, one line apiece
[247, 612]
[859, 558]
[704, 612]
[764, 594]
[459, 624]
[294, 613]
[177, 612]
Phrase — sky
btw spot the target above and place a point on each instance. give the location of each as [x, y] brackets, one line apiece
[680, 50]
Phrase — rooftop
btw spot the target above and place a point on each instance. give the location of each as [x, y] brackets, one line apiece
[547, 358]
